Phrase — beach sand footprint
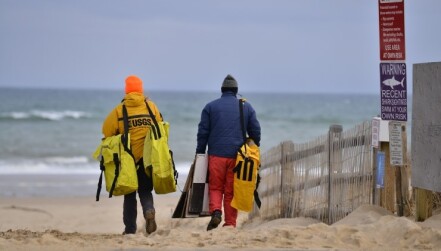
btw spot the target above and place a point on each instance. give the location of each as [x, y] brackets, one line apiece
[24, 214]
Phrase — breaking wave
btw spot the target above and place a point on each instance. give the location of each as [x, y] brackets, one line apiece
[50, 165]
[62, 165]
[45, 115]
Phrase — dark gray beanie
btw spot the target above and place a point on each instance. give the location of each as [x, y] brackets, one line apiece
[229, 82]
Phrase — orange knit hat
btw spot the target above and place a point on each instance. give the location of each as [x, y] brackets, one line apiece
[133, 84]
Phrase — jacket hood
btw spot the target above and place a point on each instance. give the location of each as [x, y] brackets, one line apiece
[134, 99]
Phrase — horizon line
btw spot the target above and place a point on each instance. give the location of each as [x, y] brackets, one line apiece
[70, 88]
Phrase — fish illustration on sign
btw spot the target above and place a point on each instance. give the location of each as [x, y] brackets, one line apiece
[393, 82]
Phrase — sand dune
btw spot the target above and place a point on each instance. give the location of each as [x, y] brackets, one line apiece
[83, 224]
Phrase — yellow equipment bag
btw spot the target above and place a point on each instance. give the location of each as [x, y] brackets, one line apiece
[119, 166]
[117, 163]
[246, 177]
[158, 158]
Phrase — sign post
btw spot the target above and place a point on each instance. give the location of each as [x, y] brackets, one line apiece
[393, 79]
[393, 89]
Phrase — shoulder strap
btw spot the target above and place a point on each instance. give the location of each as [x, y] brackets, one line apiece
[155, 128]
[117, 167]
[126, 126]
[242, 123]
[256, 194]
[100, 180]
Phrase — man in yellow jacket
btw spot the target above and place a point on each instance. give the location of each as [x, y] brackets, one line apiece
[139, 126]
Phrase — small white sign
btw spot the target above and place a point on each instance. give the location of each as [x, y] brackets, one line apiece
[395, 143]
[376, 131]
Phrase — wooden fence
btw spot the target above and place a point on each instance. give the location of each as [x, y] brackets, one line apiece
[326, 178]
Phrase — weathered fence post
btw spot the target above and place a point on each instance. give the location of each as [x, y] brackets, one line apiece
[423, 204]
[405, 175]
[285, 177]
[401, 178]
[398, 191]
[334, 136]
[375, 198]
[388, 193]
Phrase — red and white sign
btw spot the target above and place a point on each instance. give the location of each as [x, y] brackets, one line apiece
[392, 39]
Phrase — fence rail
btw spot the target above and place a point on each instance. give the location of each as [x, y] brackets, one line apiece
[326, 178]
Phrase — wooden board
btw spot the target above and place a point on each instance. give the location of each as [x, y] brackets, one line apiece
[181, 208]
[194, 198]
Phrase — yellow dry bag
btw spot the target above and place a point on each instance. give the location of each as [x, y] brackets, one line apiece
[117, 163]
[119, 166]
[246, 176]
[158, 158]
[246, 171]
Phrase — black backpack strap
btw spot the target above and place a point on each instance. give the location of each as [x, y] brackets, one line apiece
[242, 122]
[126, 131]
[100, 180]
[256, 194]
[117, 164]
[175, 172]
[155, 128]
[126, 127]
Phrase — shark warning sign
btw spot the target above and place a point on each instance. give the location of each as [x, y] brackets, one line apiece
[393, 91]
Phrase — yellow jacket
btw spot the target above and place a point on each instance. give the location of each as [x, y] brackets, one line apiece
[139, 121]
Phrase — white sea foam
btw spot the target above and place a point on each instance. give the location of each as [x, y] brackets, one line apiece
[58, 165]
[67, 160]
[62, 165]
[47, 115]
[18, 115]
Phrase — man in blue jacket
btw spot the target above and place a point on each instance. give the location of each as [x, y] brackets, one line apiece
[220, 129]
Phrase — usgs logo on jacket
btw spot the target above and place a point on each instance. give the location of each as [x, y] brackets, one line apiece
[140, 121]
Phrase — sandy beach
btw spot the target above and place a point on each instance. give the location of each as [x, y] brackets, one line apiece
[81, 223]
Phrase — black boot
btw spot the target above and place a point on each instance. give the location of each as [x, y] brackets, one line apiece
[150, 223]
[216, 218]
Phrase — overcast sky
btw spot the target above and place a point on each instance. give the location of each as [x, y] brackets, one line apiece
[269, 46]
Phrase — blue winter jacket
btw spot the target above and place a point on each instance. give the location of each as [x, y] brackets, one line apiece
[220, 126]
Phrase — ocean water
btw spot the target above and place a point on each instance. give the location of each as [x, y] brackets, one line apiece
[54, 132]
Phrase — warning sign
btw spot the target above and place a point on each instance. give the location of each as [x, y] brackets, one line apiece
[393, 91]
[391, 16]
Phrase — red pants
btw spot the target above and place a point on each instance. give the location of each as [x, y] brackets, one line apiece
[220, 184]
